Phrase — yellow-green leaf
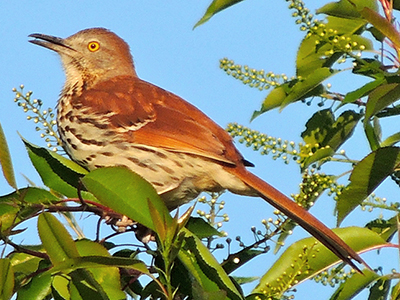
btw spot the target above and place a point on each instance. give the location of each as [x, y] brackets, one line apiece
[347, 9]
[6, 279]
[215, 7]
[308, 257]
[353, 285]
[56, 240]
[127, 193]
[5, 161]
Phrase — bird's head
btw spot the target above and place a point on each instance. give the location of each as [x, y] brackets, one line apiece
[90, 55]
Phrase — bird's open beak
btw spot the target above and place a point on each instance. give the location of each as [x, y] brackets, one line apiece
[51, 42]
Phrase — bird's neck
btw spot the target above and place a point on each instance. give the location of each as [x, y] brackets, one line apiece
[77, 82]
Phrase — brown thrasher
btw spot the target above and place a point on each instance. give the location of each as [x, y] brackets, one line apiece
[107, 116]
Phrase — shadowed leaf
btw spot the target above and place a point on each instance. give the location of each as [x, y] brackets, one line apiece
[206, 273]
[56, 171]
[329, 134]
[38, 288]
[201, 228]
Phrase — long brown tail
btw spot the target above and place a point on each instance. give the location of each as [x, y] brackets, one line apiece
[298, 214]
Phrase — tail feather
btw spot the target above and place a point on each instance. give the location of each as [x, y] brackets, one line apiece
[298, 214]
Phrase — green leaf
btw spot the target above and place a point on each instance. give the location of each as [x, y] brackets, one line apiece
[379, 36]
[382, 24]
[362, 91]
[30, 195]
[5, 161]
[6, 279]
[108, 276]
[311, 58]
[327, 133]
[56, 240]
[367, 175]
[355, 284]
[60, 287]
[312, 53]
[380, 290]
[380, 98]
[38, 288]
[317, 156]
[341, 129]
[215, 7]
[164, 231]
[308, 257]
[56, 171]
[385, 228]
[206, 274]
[304, 87]
[15, 207]
[95, 273]
[349, 28]
[88, 262]
[294, 91]
[84, 286]
[345, 9]
[244, 280]
[238, 259]
[370, 67]
[318, 126]
[273, 100]
[24, 264]
[127, 193]
[395, 291]
[201, 228]
[95, 276]
[391, 140]
[372, 135]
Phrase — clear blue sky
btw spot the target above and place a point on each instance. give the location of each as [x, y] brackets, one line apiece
[169, 53]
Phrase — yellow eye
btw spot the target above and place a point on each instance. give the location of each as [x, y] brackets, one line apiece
[93, 46]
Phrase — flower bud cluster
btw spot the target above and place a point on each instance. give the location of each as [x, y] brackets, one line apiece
[333, 277]
[287, 280]
[312, 186]
[45, 119]
[324, 34]
[302, 14]
[265, 144]
[373, 201]
[213, 215]
[254, 78]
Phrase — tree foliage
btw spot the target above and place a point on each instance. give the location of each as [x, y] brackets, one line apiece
[182, 264]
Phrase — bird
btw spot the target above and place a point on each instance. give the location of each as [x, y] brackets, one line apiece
[108, 116]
